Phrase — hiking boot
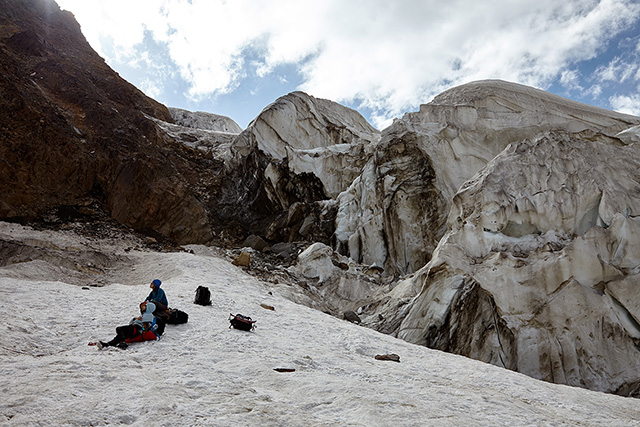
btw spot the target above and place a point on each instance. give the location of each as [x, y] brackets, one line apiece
[122, 345]
[102, 344]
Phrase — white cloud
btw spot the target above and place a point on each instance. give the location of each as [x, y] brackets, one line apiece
[390, 56]
[121, 23]
[616, 71]
[595, 91]
[570, 79]
[628, 104]
[151, 88]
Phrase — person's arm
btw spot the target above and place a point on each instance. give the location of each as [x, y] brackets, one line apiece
[164, 299]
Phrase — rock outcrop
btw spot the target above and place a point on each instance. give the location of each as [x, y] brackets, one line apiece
[76, 135]
[395, 213]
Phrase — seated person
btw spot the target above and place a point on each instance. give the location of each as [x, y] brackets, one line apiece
[157, 294]
[141, 328]
[161, 314]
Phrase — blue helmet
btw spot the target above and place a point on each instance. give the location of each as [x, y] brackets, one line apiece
[156, 283]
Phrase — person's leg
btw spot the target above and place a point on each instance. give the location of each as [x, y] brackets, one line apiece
[122, 333]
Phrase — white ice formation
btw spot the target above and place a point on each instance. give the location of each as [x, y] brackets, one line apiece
[209, 133]
[205, 121]
[395, 212]
[310, 135]
[536, 265]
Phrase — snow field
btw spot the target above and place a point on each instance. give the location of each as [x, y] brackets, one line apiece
[204, 374]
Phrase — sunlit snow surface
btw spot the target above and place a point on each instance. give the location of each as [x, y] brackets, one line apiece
[203, 373]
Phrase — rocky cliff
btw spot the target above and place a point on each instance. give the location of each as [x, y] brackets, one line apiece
[76, 137]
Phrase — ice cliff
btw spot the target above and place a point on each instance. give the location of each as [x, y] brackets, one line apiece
[395, 213]
[530, 205]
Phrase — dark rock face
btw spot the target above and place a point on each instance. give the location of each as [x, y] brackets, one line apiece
[73, 133]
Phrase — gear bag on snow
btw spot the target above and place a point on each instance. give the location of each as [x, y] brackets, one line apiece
[238, 321]
[177, 317]
[203, 296]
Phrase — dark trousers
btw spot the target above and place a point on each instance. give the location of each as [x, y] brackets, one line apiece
[123, 333]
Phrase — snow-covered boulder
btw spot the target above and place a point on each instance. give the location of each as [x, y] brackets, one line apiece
[336, 282]
[395, 213]
[315, 262]
[539, 269]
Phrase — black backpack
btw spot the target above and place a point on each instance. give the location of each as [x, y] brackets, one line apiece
[244, 323]
[203, 296]
[177, 317]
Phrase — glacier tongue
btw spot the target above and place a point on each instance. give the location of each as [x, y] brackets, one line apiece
[505, 215]
[502, 218]
[538, 271]
[403, 195]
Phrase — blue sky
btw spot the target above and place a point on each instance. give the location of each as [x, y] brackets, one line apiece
[382, 58]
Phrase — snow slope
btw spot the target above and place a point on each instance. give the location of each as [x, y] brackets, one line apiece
[203, 373]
